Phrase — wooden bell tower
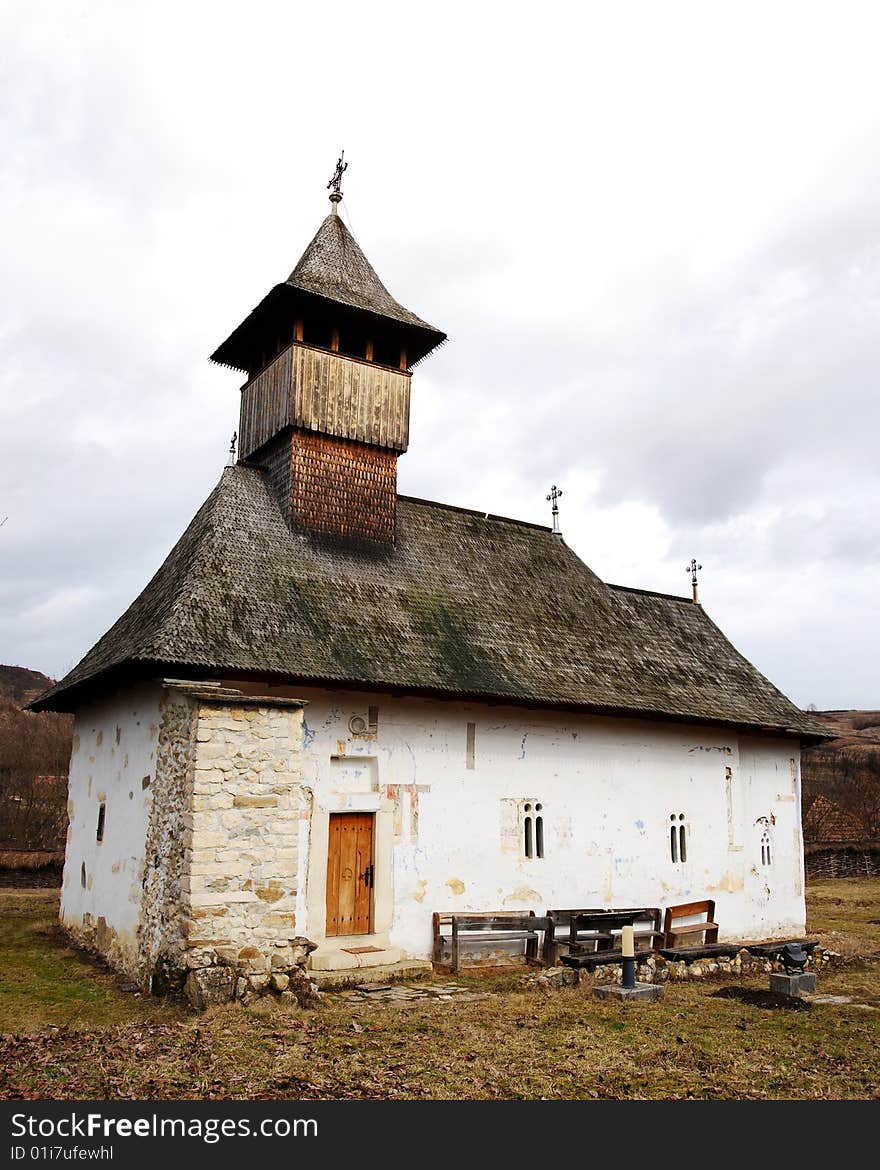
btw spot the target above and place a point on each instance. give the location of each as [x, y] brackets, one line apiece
[328, 356]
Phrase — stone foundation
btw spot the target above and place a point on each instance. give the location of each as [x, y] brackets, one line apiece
[219, 976]
[656, 969]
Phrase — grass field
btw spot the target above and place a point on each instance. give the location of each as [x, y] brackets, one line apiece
[69, 1032]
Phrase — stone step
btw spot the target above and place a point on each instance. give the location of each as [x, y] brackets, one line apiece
[403, 969]
[331, 957]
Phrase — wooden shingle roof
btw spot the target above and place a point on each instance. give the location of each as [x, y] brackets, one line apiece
[334, 266]
[462, 605]
[332, 271]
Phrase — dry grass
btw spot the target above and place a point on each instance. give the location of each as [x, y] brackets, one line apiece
[845, 913]
[708, 1040]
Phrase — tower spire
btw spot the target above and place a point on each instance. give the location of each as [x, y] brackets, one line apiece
[336, 181]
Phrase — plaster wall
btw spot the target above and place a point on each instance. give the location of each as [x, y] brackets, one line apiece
[450, 836]
[113, 762]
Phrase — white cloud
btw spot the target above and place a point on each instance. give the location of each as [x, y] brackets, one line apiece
[651, 233]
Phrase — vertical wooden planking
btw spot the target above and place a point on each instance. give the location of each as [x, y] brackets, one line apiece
[328, 393]
[345, 403]
[383, 393]
[404, 414]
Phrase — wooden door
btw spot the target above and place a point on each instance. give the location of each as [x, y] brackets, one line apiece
[350, 874]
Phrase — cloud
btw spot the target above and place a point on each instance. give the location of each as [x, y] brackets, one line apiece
[651, 237]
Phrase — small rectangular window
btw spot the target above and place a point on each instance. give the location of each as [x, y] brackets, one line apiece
[102, 810]
[471, 745]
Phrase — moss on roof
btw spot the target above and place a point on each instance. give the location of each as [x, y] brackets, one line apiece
[463, 604]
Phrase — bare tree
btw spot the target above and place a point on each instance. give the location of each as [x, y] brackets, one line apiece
[34, 759]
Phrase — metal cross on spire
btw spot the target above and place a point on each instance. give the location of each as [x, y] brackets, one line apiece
[555, 493]
[232, 443]
[693, 568]
[336, 181]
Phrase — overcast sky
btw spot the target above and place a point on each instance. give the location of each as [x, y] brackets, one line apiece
[651, 231]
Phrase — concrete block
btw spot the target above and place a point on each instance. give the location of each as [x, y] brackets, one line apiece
[792, 986]
[641, 991]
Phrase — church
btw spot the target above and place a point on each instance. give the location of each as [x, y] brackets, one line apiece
[336, 710]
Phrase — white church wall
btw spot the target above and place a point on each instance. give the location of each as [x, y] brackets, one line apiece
[451, 803]
[112, 764]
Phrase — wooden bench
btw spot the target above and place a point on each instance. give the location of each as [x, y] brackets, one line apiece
[706, 951]
[772, 950]
[596, 932]
[589, 960]
[472, 928]
[690, 920]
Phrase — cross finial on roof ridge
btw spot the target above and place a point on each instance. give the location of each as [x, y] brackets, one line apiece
[692, 568]
[555, 493]
[336, 181]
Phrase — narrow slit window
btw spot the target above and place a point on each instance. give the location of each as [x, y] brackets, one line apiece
[102, 813]
[766, 854]
[470, 746]
[533, 829]
[677, 839]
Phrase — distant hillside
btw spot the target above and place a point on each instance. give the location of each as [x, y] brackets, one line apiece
[21, 685]
[841, 779]
[856, 729]
[34, 758]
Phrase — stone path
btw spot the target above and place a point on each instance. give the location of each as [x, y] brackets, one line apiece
[406, 993]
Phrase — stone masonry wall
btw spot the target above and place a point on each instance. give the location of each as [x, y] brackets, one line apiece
[161, 931]
[238, 898]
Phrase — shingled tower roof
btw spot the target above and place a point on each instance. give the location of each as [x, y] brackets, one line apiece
[333, 266]
[332, 271]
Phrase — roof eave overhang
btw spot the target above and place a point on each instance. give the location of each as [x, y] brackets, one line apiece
[424, 339]
[68, 699]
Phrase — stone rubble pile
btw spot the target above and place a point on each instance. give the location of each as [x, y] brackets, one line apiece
[227, 973]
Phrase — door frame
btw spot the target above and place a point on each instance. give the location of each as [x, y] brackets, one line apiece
[318, 846]
[371, 816]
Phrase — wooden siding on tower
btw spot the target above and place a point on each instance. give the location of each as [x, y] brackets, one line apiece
[341, 487]
[329, 393]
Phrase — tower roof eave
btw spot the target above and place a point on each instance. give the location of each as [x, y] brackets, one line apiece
[282, 302]
[333, 270]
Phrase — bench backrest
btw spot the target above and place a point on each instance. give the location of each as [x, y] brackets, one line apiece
[442, 919]
[504, 922]
[695, 910]
[561, 919]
